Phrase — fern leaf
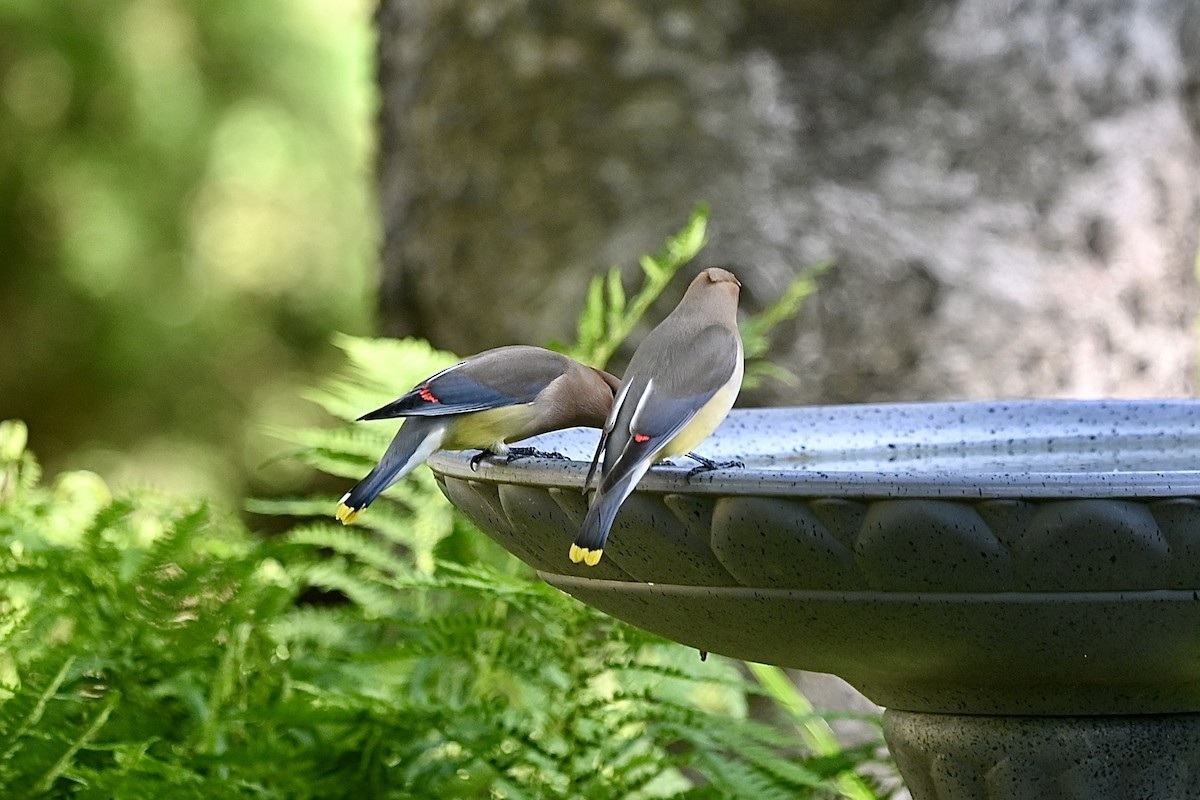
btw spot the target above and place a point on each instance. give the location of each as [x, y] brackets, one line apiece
[592, 320]
[365, 442]
[21, 713]
[325, 626]
[654, 272]
[97, 722]
[339, 465]
[756, 329]
[616, 300]
[293, 506]
[759, 371]
[735, 778]
[351, 544]
[688, 243]
[334, 575]
[610, 317]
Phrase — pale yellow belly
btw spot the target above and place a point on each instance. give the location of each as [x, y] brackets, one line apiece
[489, 429]
[707, 420]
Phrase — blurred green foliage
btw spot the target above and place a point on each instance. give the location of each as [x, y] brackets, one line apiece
[185, 213]
[609, 317]
[152, 647]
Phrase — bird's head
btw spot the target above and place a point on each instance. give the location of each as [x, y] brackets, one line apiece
[719, 275]
[715, 289]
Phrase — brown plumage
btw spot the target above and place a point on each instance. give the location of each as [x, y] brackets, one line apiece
[485, 402]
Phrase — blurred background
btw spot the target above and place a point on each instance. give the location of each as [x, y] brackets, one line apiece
[186, 213]
[195, 194]
[192, 198]
[1009, 193]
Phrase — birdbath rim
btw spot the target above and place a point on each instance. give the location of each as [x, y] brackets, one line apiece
[1047, 448]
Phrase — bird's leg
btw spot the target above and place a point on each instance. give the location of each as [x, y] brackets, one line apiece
[707, 465]
[531, 452]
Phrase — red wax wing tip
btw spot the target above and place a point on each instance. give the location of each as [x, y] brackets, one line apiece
[427, 395]
[640, 437]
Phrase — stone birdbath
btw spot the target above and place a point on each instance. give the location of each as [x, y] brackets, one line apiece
[1018, 583]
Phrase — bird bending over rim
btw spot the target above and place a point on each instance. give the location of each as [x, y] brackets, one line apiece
[485, 402]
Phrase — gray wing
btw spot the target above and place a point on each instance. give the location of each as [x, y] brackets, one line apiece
[686, 373]
[504, 376]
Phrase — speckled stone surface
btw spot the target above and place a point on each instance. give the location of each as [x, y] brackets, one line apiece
[1026, 557]
[1148, 757]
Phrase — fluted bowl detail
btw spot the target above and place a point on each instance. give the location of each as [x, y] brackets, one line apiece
[1039, 556]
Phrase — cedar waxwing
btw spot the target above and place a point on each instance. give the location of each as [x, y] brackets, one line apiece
[681, 382]
[484, 402]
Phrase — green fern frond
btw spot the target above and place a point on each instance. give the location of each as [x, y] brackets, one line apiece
[106, 520]
[19, 470]
[341, 465]
[378, 371]
[62, 764]
[590, 329]
[24, 710]
[364, 442]
[353, 545]
[609, 317]
[732, 777]
[777, 764]
[756, 329]
[420, 521]
[326, 626]
[401, 363]
[311, 506]
[336, 575]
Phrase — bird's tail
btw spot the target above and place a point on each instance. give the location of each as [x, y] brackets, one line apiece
[415, 441]
[589, 542]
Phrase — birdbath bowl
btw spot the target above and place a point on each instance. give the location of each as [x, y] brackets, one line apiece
[1017, 582]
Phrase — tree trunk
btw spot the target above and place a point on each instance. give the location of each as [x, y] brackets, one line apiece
[1009, 191]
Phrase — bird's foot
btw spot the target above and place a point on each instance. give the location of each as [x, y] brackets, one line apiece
[707, 465]
[480, 456]
[531, 452]
[513, 453]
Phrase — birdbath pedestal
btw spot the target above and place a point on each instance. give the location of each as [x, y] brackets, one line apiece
[1018, 583]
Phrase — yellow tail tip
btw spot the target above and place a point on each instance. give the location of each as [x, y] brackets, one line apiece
[345, 514]
[589, 557]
